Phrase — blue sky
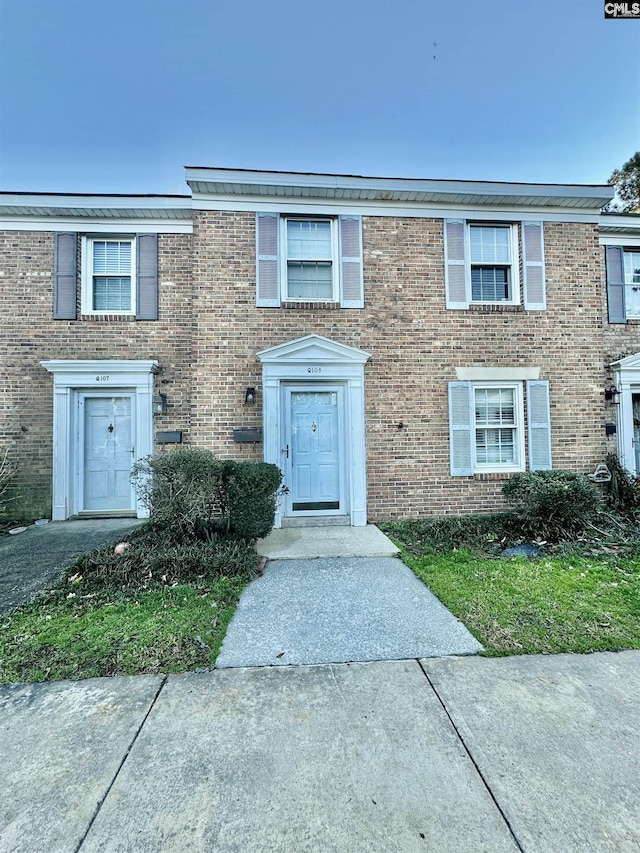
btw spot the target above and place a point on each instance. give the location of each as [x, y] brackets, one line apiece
[119, 96]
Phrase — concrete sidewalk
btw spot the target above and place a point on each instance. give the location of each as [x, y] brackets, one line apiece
[459, 755]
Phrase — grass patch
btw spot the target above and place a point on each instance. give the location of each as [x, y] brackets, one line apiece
[571, 600]
[160, 607]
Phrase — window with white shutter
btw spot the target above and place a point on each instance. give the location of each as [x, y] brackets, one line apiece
[311, 259]
[487, 427]
[482, 264]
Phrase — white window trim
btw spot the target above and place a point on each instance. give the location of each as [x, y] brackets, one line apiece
[87, 273]
[514, 264]
[519, 443]
[335, 259]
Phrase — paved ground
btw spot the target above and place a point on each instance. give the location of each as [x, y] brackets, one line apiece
[31, 560]
[297, 543]
[535, 754]
[336, 610]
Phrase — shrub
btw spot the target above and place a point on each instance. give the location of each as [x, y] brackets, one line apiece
[552, 505]
[252, 495]
[481, 532]
[195, 495]
[623, 492]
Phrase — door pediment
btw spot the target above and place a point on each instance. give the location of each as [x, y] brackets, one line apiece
[313, 348]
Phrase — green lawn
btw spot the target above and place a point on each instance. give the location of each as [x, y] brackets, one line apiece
[161, 607]
[173, 629]
[538, 605]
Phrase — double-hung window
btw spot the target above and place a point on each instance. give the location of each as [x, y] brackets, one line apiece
[109, 275]
[119, 276]
[491, 253]
[310, 258]
[484, 260]
[631, 260]
[488, 431]
[498, 428]
[623, 283]
[304, 259]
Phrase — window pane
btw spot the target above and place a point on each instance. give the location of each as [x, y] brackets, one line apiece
[495, 446]
[632, 267]
[490, 284]
[112, 257]
[308, 240]
[112, 293]
[495, 406]
[309, 280]
[489, 244]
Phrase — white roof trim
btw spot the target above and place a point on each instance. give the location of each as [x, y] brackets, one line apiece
[312, 348]
[242, 182]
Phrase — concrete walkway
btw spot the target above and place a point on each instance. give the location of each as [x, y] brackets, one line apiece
[31, 560]
[536, 754]
[316, 603]
[337, 610]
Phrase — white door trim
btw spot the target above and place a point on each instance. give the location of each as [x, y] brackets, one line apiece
[287, 440]
[626, 378]
[318, 359]
[71, 377]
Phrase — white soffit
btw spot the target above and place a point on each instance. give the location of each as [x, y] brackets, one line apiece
[211, 184]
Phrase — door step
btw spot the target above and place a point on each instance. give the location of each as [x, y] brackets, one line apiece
[318, 521]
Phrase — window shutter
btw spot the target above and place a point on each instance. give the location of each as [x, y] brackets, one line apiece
[615, 284]
[351, 272]
[267, 278]
[65, 277]
[539, 425]
[535, 297]
[455, 264]
[460, 432]
[147, 277]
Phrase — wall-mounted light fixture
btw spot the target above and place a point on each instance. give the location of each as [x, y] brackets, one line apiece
[250, 397]
[159, 404]
[611, 394]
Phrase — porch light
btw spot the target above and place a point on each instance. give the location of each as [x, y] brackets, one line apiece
[611, 394]
[159, 404]
[250, 397]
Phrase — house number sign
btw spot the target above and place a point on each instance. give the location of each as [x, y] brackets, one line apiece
[314, 370]
[103, 378]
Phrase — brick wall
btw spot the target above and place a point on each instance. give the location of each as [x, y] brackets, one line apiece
[210, 330]
[30, 335]
[416, 344]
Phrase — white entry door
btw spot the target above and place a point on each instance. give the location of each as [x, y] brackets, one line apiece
[107, 453]
[314, 444]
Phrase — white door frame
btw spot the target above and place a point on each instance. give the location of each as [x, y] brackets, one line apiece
[307, 360]
[626, 378]
[71, 377]
[287, 440]
[78, 460]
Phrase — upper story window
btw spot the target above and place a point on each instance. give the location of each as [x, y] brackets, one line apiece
[311, 264]
[108, 281]
[119, 276]
[631, 262]
[307, 259]
[623, 283]
[483, 263]
[491, 252]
